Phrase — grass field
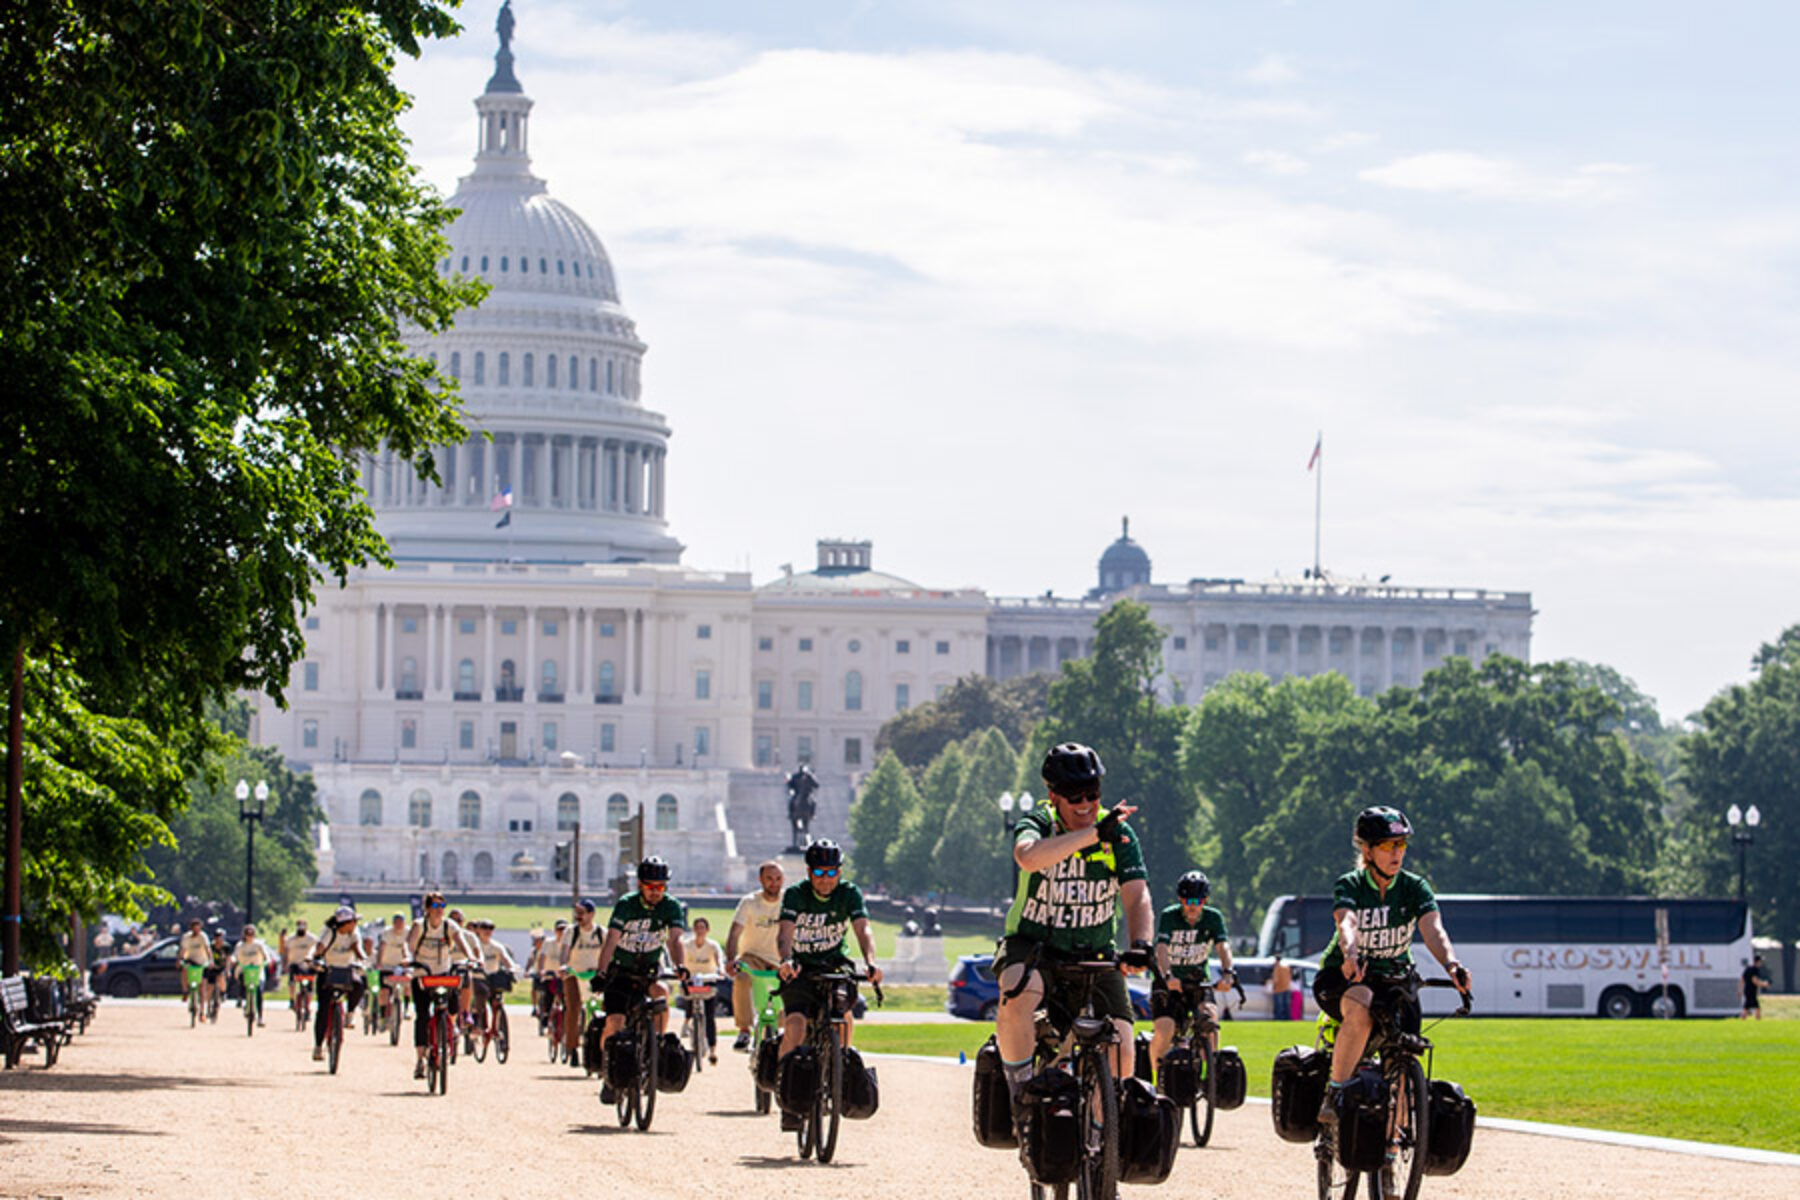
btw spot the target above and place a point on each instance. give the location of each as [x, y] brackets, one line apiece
[1709, 1081]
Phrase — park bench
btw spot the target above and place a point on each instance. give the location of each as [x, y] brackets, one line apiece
[20, 1029]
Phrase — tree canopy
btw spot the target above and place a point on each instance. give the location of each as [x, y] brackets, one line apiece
[972, 704]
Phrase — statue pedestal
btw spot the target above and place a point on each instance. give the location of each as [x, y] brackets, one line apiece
[918, 958]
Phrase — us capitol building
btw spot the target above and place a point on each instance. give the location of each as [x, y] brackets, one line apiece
[463, 710]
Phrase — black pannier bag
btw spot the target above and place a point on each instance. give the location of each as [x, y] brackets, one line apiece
[1180, 1077]
[1232, 1079]
[1051, 1125]
[768, 1056]
[1296, 1089]
[590, 1047]
[1140, 1059]
[796, 1080]
[1362, 1125]
[862, 1090]
[993, 1100]
[1149, 1133]
[621, 1060]
[674, 1063]
[1449, 1130]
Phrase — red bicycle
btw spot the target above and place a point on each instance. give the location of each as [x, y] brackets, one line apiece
[492, 1029]
[440, 1035]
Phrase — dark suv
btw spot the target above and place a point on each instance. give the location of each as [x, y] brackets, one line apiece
[975, 993]
[155, 972]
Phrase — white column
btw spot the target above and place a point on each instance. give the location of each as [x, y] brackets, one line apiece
[1230, 648]
[571, 634]
[1388, 635]
[1262, 649]
[487, 679]
[530, 681]
[374, 647]
[633, 478]
[386, 667]
[1293, 650]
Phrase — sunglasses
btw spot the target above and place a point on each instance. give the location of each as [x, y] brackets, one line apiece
[1193, 903]
[825, 872]
[1391, 844]
[436, 906]
[653, 887]
[1085, 796]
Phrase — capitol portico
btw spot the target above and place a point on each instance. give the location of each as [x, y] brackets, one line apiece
[539, 655]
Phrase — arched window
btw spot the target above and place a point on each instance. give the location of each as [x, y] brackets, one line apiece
[468, 810]
[524, 266]
[505, 368]
[449, 875]
[526, 368]
[418, 809]
[456, 364]
[508, 674]
[505, 262]
[559, 267]
[549, 370]
[548, 675]
[484, 264]
[595, 869]
[593, 374]
[484, 867]
[465, 675]
[480, 366]
[606, 679]
[668, 813]
[409, 674]
[568, 811]
[371, 808]
[574, 373]
[609, 377]
[618, 807]
[853, 692]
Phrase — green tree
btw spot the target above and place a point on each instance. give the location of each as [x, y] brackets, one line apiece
[972, 704]
[1746, 751]
[215, 243]
[912, 864]
[886, 797]
[972, 852]
[1109, 701]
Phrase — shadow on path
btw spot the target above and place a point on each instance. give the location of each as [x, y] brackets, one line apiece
[69, 1081]
[617, 1129]
[763, 1162]
[81, 1128]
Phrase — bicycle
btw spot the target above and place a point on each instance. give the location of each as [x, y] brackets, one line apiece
[1199, 1036]
[251, 973]
[440, 991]
[371, 1022]
[824, 1035]
[766, 1029]
[301, 1004]
[637, 1099]
[214, 985]
[553, 1032]
[195, 1005]
[337, 1016]
[699, 1030]
[492, 1028]
[1396, 1054]
[1082, 1040]
[393, 1001]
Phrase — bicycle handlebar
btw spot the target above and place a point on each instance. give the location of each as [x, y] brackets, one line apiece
[1468, 994]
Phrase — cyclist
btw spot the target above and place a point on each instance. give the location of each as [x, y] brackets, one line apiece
[1376, 907]
[753, 942]
[212, 991]
[196, 954]
[702, 955]
[542, 964]
[390, 962]
[816, 915]
[435, 941]
[295, 948]
[498, 967]
[342, 946]
[252, 951]
[581, 961]
[1187, 932]
[1078, 865]
[642, 925]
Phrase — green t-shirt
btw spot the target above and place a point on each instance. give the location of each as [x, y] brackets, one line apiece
[1384, 924]
[643, 931]
[1073, 905]
[821, 922]
[1189, 945]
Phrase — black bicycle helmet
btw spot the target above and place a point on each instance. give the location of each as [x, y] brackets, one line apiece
[824, 853]
[1381, 823]
[653, 870]
[1193, 886]
[1072, 766]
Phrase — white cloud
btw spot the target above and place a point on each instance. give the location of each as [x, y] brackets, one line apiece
[1476, 175]
[1273, 70]
[1276, 162]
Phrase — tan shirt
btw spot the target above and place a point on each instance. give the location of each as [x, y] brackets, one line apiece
[342, 948]
[390, 950]
[761, 922]
[702, 960]
[584, 947]
[196, 949]
[300, 946]
[440, 945]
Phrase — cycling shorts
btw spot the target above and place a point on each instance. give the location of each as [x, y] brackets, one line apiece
[1193, 997]
[1063, 990]
[624, 993]
[805, 996]
[1329, 986]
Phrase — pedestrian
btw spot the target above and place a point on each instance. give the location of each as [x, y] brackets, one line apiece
[1281, 988]
[1750, 985]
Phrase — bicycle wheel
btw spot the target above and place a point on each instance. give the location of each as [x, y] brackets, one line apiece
[502, 1037]
[696, 1024]
[479, 1045]
[647, 1056]
[193, 1007]
[828, 1101]
[334, 1036]
[553, 1035]
[762, 1099]
[1408, 1129]
[628, 1093]
[393, 1019]
[249, 1014]
[1335, 1183]
[1200, 1112]
[1099, 1175]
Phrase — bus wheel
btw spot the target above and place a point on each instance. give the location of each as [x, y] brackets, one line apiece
[1668, 1008]
[1618, 1003]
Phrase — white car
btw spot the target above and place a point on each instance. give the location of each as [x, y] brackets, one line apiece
[1259, 1003]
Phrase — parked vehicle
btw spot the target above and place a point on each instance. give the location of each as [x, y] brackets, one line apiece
[974, 993]
[155, 972]
[1253, 977]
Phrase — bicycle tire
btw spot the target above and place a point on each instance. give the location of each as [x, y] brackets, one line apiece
[479, 1045]
[502, 1038]
[334, 1037]
[1335, 1183]
[393, 1019]
[696, 1035]
[762, 1100]
[1098, 1178]
[193, 1008]
[249, 1015]
[828, 1104]
[647, 1064]
[1406, 1094]
[1206, 1101]
[554, 1034]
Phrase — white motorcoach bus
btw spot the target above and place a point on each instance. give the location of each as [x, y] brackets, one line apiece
[1562, 956]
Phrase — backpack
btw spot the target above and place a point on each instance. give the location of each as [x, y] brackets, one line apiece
[768, 1056]
[796, 1080]
[1362, 1108]
[1149, 1133]
[993, 1100]
[1050, 1126]
[1230, 1079]
[673, 1064]
[1180, 1077]
[1296, 1089]
[621, 1061]
[1449, 1130]
[862, 1091]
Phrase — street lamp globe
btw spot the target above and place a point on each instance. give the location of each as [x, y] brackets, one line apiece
[1753, 818]
[1006, 802]
[243, 790]
[262, 791]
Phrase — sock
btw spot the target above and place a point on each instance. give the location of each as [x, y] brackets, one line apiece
[1017, 1074]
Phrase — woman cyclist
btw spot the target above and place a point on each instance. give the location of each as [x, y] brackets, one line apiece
[390, 960]
[498, 967]
[704, 961]
[250, 961]
[435, 941]
[1375, 908]
[342, 948]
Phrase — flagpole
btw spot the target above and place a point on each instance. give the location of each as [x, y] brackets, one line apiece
[1318, 499]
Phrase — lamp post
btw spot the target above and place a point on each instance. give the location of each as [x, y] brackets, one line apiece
[1743, 832]
[251, 819]
[1006, 825]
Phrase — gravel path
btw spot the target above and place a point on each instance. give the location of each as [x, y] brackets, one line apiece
[145, 1107]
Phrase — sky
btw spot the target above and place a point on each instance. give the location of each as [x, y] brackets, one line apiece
[974, 281]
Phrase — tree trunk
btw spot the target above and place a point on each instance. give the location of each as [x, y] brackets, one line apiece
[15, 818]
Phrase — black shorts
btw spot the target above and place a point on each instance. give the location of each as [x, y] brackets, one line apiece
[1193, 997]
[1329, 986]
[623, 993]
[1060, 990]
[805, 995]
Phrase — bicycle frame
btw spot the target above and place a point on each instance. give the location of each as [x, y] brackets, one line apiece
[766, 1025]
[825, 1034]
[1088, 1043]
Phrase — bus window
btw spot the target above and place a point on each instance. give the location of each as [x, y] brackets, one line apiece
[1581, 921]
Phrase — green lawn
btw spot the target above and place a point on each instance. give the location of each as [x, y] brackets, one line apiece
[1710, 1081]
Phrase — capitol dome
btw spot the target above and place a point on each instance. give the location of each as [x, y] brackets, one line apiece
[572, 467]
[1125, 564]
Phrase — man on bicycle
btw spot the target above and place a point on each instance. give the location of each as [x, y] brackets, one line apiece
[1187, 933]
[542, 965]
[1369, 958]
[753, 942]
[643, 924]
[254, 953]
[816, 914]
[296, 947]
[195, 952]
[218, 959]
[581, 963]
[390, 962]
[1078, 865]
[498, 967]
